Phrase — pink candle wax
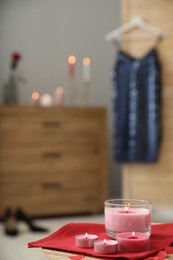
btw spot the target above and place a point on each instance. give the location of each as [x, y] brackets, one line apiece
[85, 240]
[133, 219]
[105, 247]
[129, 242]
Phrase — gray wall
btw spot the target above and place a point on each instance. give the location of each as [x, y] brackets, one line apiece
[46, 32]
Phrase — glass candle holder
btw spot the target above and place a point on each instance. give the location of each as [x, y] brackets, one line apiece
[127, 215]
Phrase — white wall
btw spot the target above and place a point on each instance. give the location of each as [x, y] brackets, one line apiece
[46, 32]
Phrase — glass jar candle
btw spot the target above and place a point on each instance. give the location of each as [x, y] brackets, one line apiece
[127, 215]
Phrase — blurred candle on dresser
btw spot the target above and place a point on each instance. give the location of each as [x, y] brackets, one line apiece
[46, 100]
[86, 70]
[71, 76]
[35, 99]
[86, 79]
[71, 66]
[59, 96]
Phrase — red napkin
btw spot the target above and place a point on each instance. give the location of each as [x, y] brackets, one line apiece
[64, 240]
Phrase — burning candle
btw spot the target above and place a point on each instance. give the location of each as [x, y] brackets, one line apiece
[105, 247]
[86, 70]
[132, 242]
[71, 65]
[35, 98]
[46, 100]
[85, 240]
[59, 96]
[127, 216]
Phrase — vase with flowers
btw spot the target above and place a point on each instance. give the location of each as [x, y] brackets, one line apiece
[11, 86]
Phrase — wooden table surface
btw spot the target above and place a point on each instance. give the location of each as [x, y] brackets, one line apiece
[58, 255]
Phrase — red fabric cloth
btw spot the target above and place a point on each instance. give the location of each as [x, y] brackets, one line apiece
[64, 240]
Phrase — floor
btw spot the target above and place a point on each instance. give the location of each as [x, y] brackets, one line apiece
[16, 248]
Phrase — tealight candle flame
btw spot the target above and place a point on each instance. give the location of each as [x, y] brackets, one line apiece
[59, 90]
[35, 95]
[86, 61]
[86, 235]
[72, 59]
[47, 96]
[126, 209]
[104, 241]
[133, 234]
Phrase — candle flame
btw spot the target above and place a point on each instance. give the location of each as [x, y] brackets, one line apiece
[35, 95]
[126, 209]
[86, 235]
[72, 59]
[86, 61]
[59, 90]
[104, 241]
[47, 96]
[133, 234]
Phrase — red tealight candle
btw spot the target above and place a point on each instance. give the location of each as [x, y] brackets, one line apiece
[105, 247]
[71, 65]
[85, 240]
[132, 242]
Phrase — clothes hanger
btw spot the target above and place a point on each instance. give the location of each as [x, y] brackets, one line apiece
[135, 22]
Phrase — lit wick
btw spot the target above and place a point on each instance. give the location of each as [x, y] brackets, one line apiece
[104, 241]
[133, 235]
[86, 235]
[126, 209]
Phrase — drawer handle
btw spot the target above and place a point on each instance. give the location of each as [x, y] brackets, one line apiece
[51, 185]
[51, 155]
[51, 124]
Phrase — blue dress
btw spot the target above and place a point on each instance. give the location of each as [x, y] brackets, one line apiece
[137, 105]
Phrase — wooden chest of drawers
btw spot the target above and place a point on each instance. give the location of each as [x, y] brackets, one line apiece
[53, 160]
